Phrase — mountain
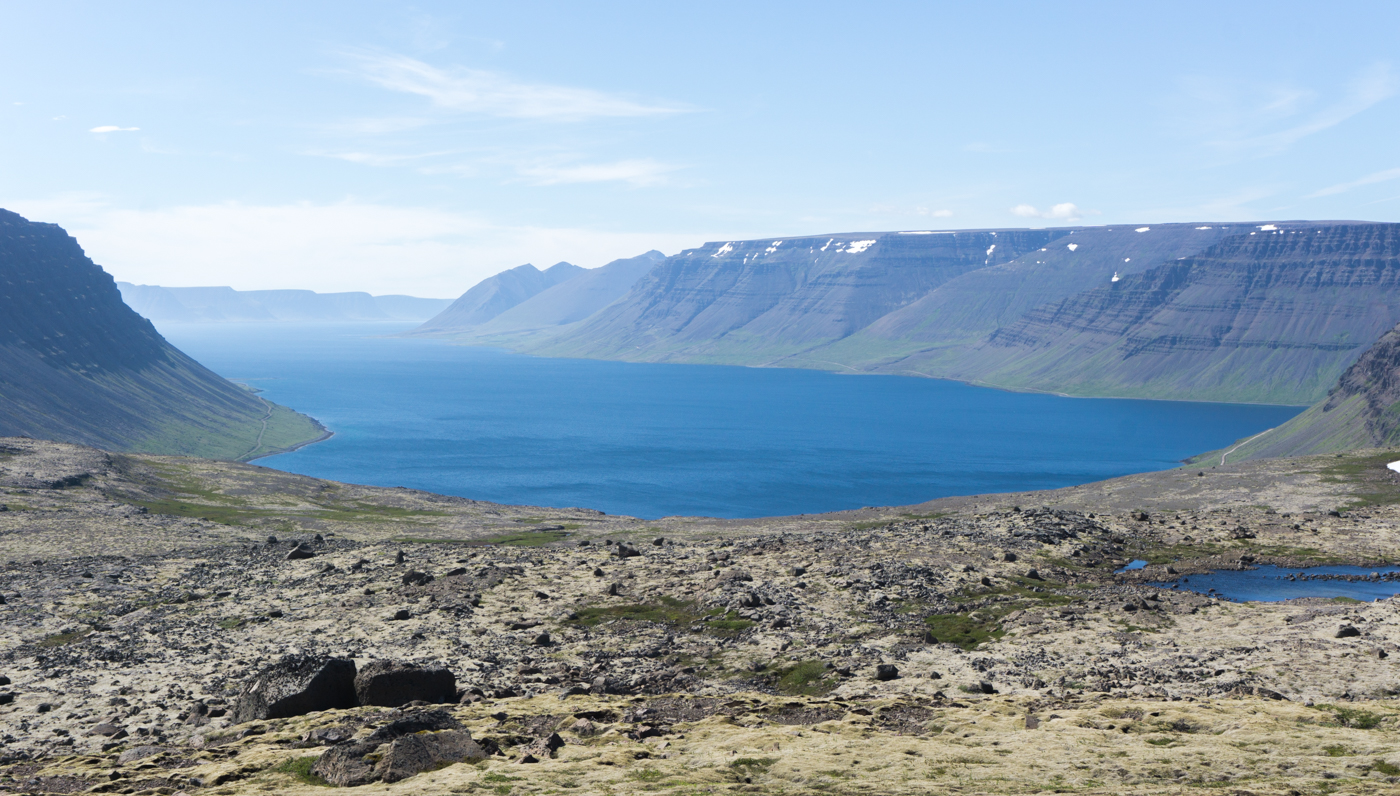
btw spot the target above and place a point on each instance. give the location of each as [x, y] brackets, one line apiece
[758, 302]
[1361, 411]
[566, 302]
[494, 295]
[78, 365]
[1271, 316]
[224, 304]
[1269, 312]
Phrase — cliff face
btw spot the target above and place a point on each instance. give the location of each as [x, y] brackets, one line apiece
[1274, 317]
[494, 295]
[78, 365]
[754, 302]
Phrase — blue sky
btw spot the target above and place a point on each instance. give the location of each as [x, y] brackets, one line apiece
[416, 148]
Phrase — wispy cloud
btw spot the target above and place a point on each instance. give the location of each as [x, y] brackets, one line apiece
[494, 94]
[1369, 179]
[112, 128]
[1269, 119]
[640, 172]
[1065, 211]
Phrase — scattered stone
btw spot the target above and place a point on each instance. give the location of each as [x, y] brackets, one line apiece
[415, 578]
[886, 671]
[1348, 631]
[301, 551]
[401, 615]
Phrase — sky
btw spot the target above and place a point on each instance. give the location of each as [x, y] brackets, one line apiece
[419, 147]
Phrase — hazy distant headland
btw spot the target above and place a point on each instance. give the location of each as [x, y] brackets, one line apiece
[226, 305]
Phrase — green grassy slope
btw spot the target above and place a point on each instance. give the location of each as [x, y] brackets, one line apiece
[78, 365]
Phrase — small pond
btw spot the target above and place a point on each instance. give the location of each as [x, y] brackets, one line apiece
[1272, 584]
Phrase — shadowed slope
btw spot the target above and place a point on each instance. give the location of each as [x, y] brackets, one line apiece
[78, 365]
[494, 295]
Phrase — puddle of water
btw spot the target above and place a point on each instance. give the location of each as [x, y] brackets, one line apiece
[1136, 563]
[1272, 584]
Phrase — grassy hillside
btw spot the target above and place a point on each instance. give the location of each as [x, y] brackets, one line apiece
[78, 365]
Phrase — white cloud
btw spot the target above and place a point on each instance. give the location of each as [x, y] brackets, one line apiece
[111, 128]
[347, 245]
[924, 211]
[641, 172]
[1065, 211]
[494, 94]
[1369, 179]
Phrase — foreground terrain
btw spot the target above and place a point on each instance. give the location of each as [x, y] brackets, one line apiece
[967, 645]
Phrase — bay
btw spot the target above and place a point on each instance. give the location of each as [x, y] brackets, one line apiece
[652, 440]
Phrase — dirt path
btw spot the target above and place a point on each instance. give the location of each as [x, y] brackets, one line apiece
[261, 431]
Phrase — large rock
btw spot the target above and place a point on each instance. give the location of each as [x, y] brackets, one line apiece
[391, 684]
[296, 685]
[420, 742]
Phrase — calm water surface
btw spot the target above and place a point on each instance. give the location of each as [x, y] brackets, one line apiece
[1271, 584]
[654, 440]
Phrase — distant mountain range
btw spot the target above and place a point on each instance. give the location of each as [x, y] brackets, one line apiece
[78, 365]
[1268, 312]
[224, 305]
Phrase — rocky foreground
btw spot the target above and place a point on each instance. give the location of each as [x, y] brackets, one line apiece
[178, 625]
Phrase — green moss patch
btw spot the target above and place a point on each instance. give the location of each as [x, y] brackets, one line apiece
[299, 768]
[808, 678]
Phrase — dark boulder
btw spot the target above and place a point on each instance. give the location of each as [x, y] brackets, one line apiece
[419, 742]
[296, 685]
[886, 672]
[391, 684]
[1348, 631]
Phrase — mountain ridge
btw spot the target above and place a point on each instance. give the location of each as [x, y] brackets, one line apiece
[78, 365]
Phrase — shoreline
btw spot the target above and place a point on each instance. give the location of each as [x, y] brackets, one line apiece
[325, 435]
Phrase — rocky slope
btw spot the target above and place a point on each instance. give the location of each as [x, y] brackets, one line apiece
[224, 304]
[494, 295]
[77, 364]
[1361, 411]
[964, 644]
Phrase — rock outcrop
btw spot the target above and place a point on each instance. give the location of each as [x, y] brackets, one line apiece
[297, 685]
[391, 684]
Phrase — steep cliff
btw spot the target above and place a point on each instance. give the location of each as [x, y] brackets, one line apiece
[758, 302]
[494, 295]
[1270, 316]
[78, 365]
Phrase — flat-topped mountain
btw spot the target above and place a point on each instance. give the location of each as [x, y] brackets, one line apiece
[224, 304]
[1267, 313]
[78, 365]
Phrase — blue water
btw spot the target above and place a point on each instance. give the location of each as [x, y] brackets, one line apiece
[654, 440]
[1136, 563]
[1270, 584]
